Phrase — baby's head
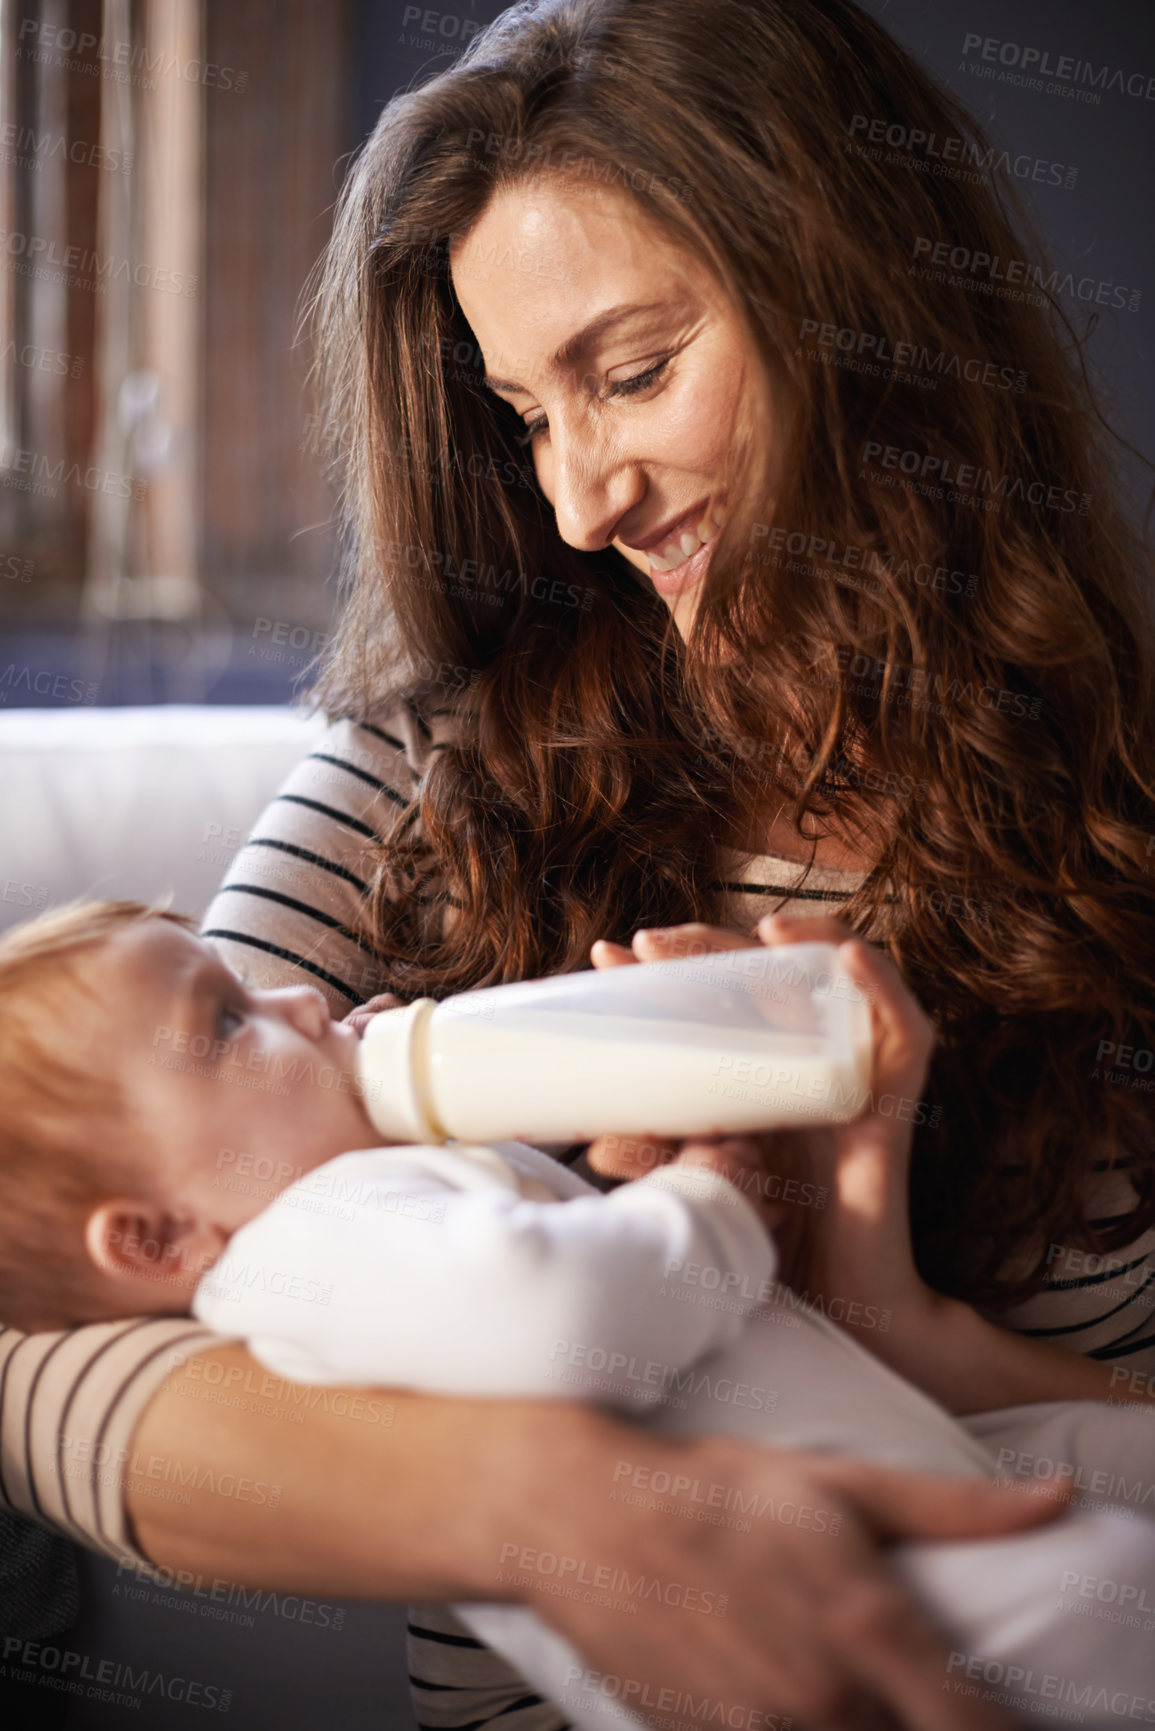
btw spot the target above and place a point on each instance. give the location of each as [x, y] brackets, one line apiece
[139, 1076]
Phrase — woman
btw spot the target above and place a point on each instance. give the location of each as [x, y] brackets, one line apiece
[711, 547]
[909, 655]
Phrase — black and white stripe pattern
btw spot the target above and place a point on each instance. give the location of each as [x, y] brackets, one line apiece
[459, 1683]
[70, 1400]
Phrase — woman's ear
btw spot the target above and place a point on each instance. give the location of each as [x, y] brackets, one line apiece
[134, 1240]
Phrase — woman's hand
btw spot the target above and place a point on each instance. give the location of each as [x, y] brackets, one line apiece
[634, 1156]
[359, 1018]
[845, 1237]
[814, 1626]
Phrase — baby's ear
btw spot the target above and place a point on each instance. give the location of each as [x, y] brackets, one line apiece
[133, 1240]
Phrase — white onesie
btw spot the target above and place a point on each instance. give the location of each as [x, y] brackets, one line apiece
[467, 1270]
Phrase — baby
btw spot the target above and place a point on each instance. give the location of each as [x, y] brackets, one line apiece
[176, 1140]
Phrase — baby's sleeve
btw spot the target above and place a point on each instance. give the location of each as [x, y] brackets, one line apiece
[400, 1277]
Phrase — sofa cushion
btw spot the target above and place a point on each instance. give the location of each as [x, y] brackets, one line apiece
[137, 801]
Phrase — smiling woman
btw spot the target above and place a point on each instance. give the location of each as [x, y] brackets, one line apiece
[888, 631]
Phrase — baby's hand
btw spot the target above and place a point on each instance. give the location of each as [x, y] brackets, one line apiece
[359, 1018]
[740, 1160]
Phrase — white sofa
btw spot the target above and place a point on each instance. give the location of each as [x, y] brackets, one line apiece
[134, 802]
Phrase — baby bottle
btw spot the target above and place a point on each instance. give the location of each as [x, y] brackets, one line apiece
[742, 1040]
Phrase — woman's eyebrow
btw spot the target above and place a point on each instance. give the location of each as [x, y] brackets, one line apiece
[577, 346]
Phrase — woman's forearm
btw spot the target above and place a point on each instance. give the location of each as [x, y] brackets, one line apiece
[971, 1365]
[357, 1493]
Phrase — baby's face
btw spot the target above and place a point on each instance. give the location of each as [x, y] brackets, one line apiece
[230, 1094]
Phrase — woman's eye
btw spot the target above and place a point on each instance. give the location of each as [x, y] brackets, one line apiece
[532, 428]
[639, 382]
[623, 388]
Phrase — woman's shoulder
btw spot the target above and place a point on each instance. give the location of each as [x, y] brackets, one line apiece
[408, 726]
[295, 905]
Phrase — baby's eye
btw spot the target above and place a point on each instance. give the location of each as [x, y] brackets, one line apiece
[229, 1019]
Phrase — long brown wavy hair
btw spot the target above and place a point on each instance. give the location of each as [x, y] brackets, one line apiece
[934, 644]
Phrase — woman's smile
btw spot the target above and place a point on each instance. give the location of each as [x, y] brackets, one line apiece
[677, 553]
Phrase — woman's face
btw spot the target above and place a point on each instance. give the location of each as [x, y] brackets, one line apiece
[618, 352]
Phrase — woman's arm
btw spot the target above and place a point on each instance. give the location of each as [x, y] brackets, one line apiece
[450, 1498]
[971, 1365]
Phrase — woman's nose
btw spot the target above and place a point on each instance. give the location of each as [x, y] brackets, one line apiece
[593, 481]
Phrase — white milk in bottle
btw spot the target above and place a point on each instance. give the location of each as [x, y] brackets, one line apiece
[742, 1040]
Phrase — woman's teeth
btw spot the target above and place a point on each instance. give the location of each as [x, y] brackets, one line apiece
[681, 547]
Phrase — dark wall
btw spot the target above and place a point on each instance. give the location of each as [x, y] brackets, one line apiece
[1100, 228]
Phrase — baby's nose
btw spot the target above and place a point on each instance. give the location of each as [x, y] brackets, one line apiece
[309, 1010]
